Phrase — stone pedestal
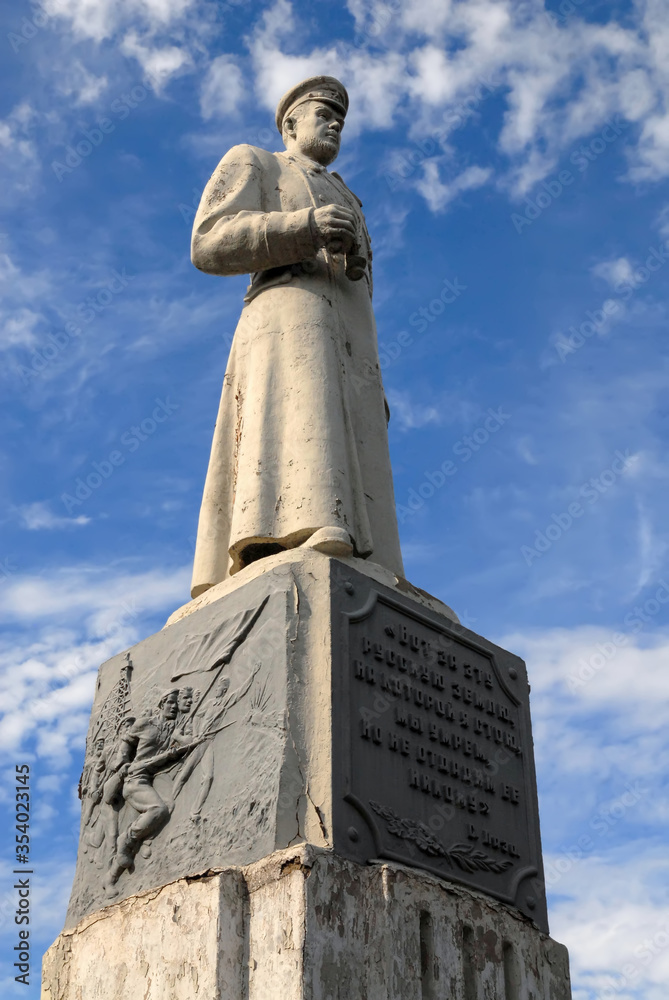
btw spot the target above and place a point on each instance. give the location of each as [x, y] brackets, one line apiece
[312, 783]
[301, 924]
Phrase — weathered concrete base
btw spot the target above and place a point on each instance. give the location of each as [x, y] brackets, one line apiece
[304, 924]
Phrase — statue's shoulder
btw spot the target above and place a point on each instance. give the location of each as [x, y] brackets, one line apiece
[244, 153]
[144, 724]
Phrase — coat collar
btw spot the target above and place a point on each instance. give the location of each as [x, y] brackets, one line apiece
[305, 162]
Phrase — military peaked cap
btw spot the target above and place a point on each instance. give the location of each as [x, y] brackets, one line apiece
[315, 88]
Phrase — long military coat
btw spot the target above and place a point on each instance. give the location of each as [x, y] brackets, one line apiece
[301, 437]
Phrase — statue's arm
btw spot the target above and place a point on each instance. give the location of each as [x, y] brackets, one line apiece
[127, 749]
[232, 233]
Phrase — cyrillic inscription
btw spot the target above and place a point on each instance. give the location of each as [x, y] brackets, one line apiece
[439, 768]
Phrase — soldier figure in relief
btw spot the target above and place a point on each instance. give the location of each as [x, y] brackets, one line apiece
[90, 792]
[112, 793]
[185, 705]
[147, 747]
[300, 450]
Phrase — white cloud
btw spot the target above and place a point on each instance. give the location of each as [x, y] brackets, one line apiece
[426, 17]
[525, 450]
[71, 593]
[76, 81]
[38, 516]
[438, 194]
[159, 63]
[375, 80]
[19, 158]
[100, 19]
[652, 550]
[600, 714]
[652, 151]
[621, 674]
[75, 619]
[662, 222]
[161, 35]
[637, 95]
[434, 66]
[615, 922]
[222, 88]
[615, 271]
[437, 64]
[18, 329]
[408, 414]
[555, 653]
[19, 295]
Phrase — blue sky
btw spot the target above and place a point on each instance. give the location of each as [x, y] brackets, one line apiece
[512, 158]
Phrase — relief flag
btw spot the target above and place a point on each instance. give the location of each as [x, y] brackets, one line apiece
[207, 652]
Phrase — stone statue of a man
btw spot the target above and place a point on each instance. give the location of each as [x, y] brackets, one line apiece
[300, 449]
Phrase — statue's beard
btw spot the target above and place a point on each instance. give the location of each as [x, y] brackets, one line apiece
[320, 150]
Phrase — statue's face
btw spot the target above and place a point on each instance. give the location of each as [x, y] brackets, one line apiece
[317, 131]
[99, 746]
[222, 687]
[171, 705]
[185, 699]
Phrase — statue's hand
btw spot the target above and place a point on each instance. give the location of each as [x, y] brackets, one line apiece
[336, 228]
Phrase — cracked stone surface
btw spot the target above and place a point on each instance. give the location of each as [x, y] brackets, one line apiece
[304, 924]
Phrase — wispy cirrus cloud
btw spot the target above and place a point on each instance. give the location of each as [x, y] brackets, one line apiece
[74, 619]
[559, 78]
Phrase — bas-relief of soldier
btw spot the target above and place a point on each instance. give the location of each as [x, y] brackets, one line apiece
[167, 738]
[112, 792]
[100, 789]
[149, 746]
[92, 781]
[300, 449]
[170, 736]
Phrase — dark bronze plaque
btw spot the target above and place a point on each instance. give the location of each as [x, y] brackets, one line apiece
[433, 747]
